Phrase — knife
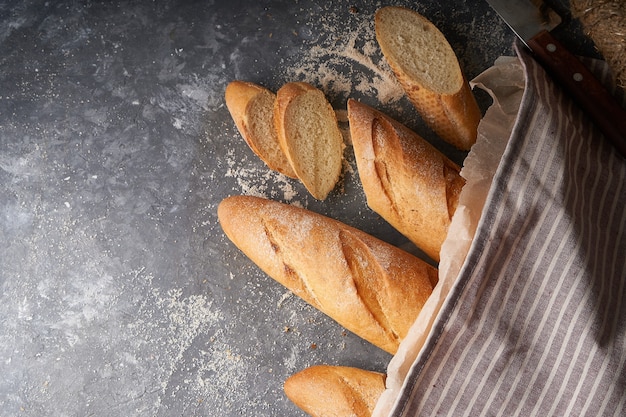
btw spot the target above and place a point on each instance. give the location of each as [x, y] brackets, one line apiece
[530, 25]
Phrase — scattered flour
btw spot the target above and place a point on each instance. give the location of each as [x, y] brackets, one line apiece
[259, 181]
[344, 64]
[175, 322]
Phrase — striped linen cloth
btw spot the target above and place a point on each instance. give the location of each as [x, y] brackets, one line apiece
[535, 325]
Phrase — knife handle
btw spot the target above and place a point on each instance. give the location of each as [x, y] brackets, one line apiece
[593, 98]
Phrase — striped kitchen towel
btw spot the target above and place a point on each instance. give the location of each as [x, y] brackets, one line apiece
[535, 324]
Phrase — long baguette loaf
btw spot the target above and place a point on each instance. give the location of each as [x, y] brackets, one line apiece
[371, 288]
[429, 72]
[335, 391]
[406, 180]
[309, 136]
[252, 109]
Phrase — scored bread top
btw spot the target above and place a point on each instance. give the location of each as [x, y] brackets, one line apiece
[405, 179]
[252, 109]
[335, 391]
[309, 136]
[370, 287]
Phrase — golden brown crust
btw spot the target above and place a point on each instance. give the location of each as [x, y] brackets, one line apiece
[447, 104]
[369, 287]
[453, 117]
[251, 107]
[406, 180]
[335, 391]
[309, 136]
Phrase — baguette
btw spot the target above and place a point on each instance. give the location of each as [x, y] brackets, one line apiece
[252, 109]
[406, 180]
[335, 391]
[369, 287]
[429, 72]
[309, 136]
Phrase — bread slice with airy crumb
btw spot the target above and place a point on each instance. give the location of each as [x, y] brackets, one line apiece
[309, 136]
[335, 391]
[429, 72]
[252, 109]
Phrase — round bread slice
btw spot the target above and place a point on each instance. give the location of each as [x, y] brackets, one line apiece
[429, 72]
[309, 136]
[335, 391]
[252, 109]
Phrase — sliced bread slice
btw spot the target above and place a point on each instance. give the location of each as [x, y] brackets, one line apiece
[429, 72]
[252, 108]
[309, 136]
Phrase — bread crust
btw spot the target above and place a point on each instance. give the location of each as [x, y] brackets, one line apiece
[316, 157]
[251, 106]
[405, 179]
[370, 287]
[453, 114]
[335, 391]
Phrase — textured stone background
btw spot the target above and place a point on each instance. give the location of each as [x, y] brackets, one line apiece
[119, 293]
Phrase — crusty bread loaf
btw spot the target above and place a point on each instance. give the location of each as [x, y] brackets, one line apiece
[371, 288]
[405, 179]
[429, 72]
[309, 136]
[335, 391]
[252, 108]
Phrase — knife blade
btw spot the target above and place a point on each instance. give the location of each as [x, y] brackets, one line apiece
[528, 22]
